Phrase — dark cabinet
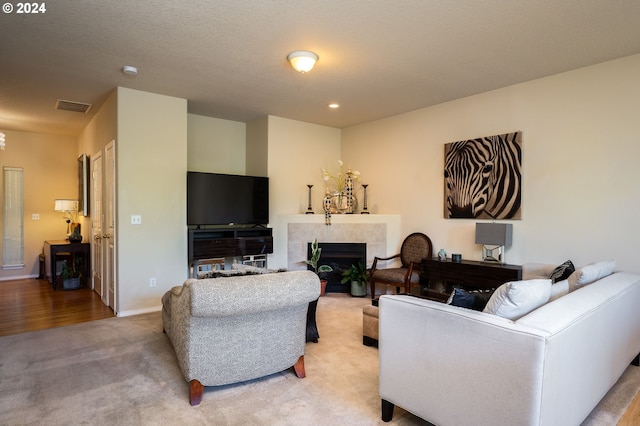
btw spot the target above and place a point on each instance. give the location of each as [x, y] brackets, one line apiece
[228, 242]
[439, 277]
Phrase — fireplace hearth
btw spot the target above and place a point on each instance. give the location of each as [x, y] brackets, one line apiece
[339, 256]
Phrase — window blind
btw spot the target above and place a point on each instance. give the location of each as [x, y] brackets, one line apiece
[12, 218]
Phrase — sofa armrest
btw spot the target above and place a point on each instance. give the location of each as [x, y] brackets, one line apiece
[532, 271]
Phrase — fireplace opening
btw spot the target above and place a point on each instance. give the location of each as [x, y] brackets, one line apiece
[339, 256]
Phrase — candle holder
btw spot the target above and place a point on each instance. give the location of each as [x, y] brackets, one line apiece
[309, 209]
[364, 197]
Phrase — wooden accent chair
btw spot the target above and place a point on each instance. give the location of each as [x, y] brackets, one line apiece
[414, 248]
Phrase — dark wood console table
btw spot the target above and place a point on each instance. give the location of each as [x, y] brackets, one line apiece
[439, 277]
[53, 248]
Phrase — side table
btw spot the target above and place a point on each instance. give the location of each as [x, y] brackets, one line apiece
[55, 247]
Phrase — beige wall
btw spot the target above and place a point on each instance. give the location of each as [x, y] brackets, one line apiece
[580, 149]
[151, 153]
[215, 145]
[258, 147]
[101, 130]
[50, 170]
[297, 152]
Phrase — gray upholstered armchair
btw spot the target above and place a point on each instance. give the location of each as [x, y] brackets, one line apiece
[232, 329]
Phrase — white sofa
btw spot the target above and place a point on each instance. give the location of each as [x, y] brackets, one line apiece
[455, 366]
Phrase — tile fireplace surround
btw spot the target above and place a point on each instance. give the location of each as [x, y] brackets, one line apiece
[381, 233]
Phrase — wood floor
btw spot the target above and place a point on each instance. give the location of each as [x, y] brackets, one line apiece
[632, 416]
[31, 304]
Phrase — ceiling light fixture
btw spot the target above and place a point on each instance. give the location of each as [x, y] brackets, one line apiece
[334, 105]
[129, 70]
[302, 60]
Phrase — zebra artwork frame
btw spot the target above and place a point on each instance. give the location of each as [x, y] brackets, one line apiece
[482, 178]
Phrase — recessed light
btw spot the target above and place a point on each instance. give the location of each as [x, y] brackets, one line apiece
[334, 106]
[129, 70]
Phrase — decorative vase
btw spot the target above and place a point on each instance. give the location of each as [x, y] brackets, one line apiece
[71, 283]
[75, 236]
[323, 287]
[358, 288]
[348, 192]
[341, 203]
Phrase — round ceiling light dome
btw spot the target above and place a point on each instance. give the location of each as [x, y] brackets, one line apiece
[302, 60]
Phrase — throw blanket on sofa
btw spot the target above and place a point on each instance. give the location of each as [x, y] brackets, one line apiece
[237, 271]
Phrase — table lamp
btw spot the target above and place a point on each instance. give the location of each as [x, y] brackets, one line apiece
[69, 207]
[494, 237]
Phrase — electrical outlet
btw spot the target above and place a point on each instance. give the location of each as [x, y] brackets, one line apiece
[152, 282]
[35, 216]
[136, 219]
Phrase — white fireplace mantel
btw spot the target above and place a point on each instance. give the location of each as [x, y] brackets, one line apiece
[292, 233]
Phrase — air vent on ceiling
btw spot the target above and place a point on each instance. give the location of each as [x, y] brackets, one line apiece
[72, 106]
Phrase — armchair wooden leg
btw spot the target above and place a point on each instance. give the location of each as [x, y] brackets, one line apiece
[387, 410]
[195, 392]
[299, 368]
[372, 284]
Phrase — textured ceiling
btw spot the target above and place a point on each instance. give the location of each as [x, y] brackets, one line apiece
[228, 57]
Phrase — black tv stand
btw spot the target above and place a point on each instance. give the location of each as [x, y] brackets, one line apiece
[215, 243]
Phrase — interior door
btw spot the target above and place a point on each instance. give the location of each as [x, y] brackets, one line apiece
[110, 224]
[97, 218]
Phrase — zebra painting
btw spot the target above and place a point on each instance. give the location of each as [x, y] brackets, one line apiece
[482, 177]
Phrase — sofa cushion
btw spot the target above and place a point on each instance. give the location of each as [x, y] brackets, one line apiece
[474, 299]
[562, 272]
[591, 273]
[515, 299]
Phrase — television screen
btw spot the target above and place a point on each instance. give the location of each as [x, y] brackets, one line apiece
[221, 199]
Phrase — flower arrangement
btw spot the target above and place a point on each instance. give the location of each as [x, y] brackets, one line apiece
[339, 178]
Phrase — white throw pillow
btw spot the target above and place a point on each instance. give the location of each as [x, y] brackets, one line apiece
[515, 299]
[591, 273]
[559, 289]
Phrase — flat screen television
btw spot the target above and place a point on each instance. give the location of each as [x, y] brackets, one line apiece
[222, 199]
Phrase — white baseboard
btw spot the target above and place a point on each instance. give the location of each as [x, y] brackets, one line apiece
[18, 277]
[139, 311]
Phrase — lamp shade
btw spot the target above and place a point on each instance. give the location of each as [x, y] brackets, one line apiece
[66, 205]
[302, 61]
[498, 234]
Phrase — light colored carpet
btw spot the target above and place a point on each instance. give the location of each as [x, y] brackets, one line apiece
[122, 371]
